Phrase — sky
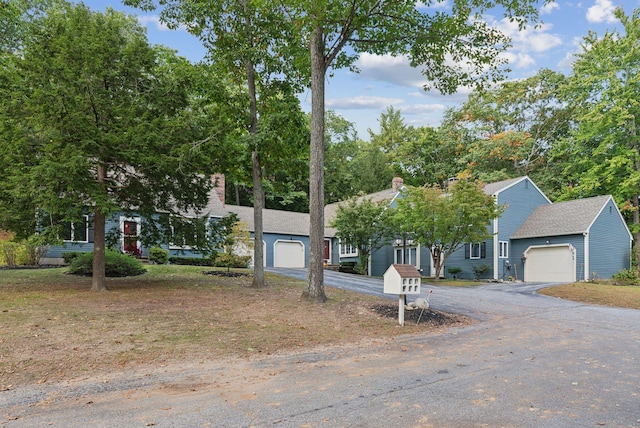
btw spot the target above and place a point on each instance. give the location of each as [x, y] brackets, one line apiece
[385, 81]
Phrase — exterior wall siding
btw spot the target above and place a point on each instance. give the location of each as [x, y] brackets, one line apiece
[457, 259]
[519, 201]
[606, 254]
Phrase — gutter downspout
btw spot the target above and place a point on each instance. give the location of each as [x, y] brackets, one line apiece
[496, 239]
[586, 256]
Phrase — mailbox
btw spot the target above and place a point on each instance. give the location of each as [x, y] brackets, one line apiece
[402, 279]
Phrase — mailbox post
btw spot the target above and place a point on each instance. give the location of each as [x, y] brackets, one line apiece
[402, 280]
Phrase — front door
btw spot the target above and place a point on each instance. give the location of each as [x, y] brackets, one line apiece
[130, 233]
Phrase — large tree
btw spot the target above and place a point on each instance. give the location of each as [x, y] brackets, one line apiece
[255, 42]
[364, 224]
[602, 155]
[453, 46]
[106, 120]
[443, 221]
[509, 130]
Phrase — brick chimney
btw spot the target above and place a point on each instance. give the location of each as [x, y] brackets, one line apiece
[396, 184]
[218, 186]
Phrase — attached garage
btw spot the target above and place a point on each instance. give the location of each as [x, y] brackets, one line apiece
[553, 263]
[288, 254]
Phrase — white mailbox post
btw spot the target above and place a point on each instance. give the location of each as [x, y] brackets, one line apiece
[402, 280]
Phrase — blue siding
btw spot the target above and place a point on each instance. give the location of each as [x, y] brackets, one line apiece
[519, 200]
[457, 259]
[381, 260]
[609, 244]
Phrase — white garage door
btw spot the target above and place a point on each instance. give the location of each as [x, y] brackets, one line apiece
[288, 254]
[550, 264]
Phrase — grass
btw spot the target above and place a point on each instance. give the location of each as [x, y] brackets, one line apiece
[52, 327]
[597, 293]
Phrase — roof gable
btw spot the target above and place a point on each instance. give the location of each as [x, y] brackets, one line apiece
[562, 218]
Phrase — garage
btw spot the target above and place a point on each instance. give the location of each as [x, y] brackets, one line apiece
[288, 254]
[555, 263]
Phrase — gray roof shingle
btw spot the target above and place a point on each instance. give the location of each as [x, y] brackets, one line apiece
[562, 218]
[498, 186]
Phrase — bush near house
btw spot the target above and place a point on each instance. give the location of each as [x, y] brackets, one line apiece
[193, 261]
[158, 255]
[24, 253]
[480, 271]
[454, 271]
[626, 277]
[115, 265]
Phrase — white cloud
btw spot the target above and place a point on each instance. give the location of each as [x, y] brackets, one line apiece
[390, 69]
[438, 4]
[361, 102]
[531, 39]
[548, 8]
[601, 11]
[519, 60]
[421, 108]
[146, 20]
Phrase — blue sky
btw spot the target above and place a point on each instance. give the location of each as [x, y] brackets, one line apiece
[384, 81]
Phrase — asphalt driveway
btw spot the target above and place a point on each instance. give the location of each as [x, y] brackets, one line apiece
[529, 361]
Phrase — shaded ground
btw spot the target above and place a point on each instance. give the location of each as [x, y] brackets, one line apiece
[53, 328]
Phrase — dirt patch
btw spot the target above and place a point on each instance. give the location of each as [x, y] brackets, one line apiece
[226, 274]
[53, 328]
[418, 316]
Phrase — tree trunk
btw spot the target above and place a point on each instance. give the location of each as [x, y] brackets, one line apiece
[315, 283]
[258, 191]
[635, 202]
[258, 205]
[98, 281]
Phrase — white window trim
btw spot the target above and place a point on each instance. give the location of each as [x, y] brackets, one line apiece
[503, 251]
[73, 229]
[353, 251]
[477, 245]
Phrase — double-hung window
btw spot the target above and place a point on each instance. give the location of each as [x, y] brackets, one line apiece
[503, 251]
[77, 231]
[347, 249]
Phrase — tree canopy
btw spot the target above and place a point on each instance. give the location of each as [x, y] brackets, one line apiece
[364, 224]
[98, 119]
[602, 154]
[443, 221]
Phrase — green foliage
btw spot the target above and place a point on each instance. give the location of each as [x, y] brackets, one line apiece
[626, 277]
[364, 224]
[94, 116]
[35, 248]
[232, 261]
[509, 130]
[116, 265]
[70, 256]
[601, 154]
[193, 261]
[480, 271]
[158, 255]
[9, 253]
[443, 221]
[454, 271]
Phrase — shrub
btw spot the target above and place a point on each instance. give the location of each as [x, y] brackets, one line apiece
[454, 270]
[230, 260]
[36, 247]
[158, 255]
[625, 277]
[481, 270]
[8, 253]
[115, 265]
[70, 256]
[192, 261]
